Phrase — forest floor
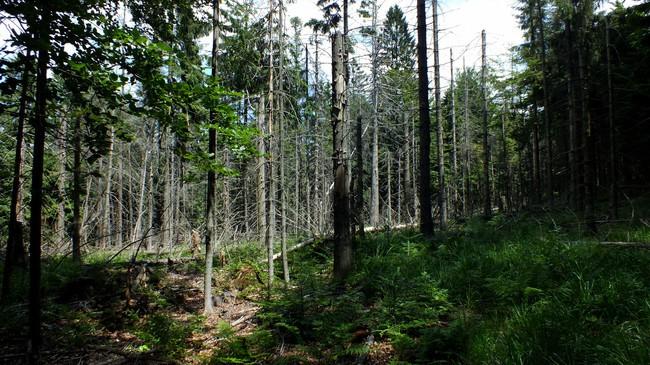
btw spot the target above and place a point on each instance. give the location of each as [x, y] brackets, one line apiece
[526, 289]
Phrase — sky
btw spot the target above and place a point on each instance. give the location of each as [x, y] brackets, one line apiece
[460, 22]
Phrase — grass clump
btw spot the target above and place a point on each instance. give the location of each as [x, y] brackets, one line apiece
[166, 336]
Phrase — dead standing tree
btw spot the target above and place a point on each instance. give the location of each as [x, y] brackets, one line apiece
[341, 194]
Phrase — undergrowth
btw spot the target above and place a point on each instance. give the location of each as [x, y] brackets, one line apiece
[531, 289]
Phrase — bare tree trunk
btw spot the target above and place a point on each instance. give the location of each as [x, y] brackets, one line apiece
[35, 238]
[426, 220]
[283, 203]
[119, 207]
[359, 184]
[298, 208]
[389, 207]
[487, 202]
[168, 208]
[547, 107]
[576, 168]
[467, 167]
[613, 168]
[85, 215]
[15, 255]
[76, 194]
[173, 206]
[454, 146]
[61, 235]
[261, 170]
[407, 170]
[139, 214]
[150, 200]
[399, 188]
[505, 164]
[247, 218]
[586, 130]
[131, 217]
[374, 172]
[442, 190]
[270, 196]
[341, 209]
[227, 222]
[537, 169]
[105, 227]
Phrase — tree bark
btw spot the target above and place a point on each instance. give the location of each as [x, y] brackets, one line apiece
[547, 107]
[374, 175]
[106, 234]
[76, 194]
[281, 157]
[15, 254]
[61, 235]
[407, 201]
[399, 188]
[36, 206]
[261, 170]
[487, 199]
[359, 201]
[454, 146]
[586, 131]
[341, 208]
[389, 195]
[505, 164]
[211, 221]
[467, 169]
[574, 186]
[426, 220]
[442, 190]
[537, 166]
[150, 194]
[270, 195]
[119, 207]
[613, 168]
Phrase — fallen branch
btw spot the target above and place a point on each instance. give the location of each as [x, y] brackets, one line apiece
[242, 319]
[296, 247]
[627, 244]
[312, 240]
[253, 309]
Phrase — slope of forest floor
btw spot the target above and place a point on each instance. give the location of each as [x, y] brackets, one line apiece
[528, 289]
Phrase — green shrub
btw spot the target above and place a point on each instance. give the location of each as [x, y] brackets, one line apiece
[165, 335]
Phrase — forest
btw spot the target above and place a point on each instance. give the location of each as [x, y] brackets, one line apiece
[217, 182]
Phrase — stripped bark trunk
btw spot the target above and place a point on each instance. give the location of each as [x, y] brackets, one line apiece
[341, 196]
[359, 201]
[281, 157]
[487, 200]
[454, 146]
[374, 172]
[442, 189]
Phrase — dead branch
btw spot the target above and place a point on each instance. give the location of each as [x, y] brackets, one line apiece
[627, 244]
